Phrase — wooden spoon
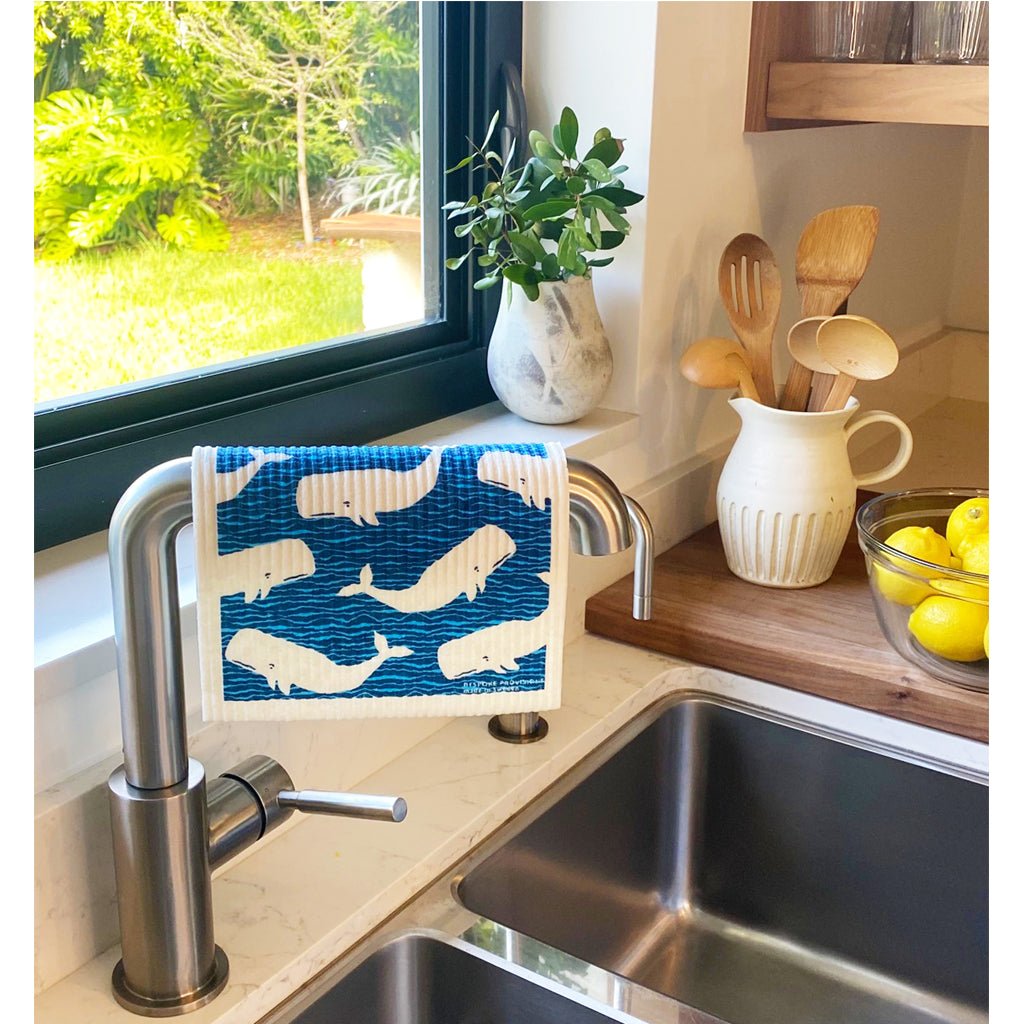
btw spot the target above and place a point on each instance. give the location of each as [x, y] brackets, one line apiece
[719, 363]
[859, 349]
[751, 289]
[802, 342]
[831, 257]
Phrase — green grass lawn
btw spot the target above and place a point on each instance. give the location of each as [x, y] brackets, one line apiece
[124, 316]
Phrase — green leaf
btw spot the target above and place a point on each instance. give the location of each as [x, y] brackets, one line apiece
[487, 260]
[602, 263]
[550, 209]
[584, 241]
[598, 171]
[490, 129]
[549, 266]
[575, 185]
[567, 250]
[532, 290]
[617, 221]
[507, 162]
[601, 134]
[569, 131]
[486, 282]
[461, 230]
[526, 247]
[518, 274]
[611, 239]
[556, 138]
[607, 151]
[552, 229]
[617, 196]
[456, 261]
[542, 148]
[462, 163]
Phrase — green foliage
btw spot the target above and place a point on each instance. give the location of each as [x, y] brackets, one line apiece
[108, 174]
[114, 46]
[557, 197]
[389, 90]
[387, 180]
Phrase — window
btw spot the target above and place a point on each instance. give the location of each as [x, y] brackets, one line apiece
[149, 345]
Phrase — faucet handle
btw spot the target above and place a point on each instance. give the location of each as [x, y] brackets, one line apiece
[346, 805]
[258, 795]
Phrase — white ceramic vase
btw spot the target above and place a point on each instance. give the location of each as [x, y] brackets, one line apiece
[549, 361]
[787, 493]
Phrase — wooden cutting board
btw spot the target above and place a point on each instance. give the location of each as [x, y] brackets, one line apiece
[824, 640]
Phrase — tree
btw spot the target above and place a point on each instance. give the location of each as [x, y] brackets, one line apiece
[296, 53]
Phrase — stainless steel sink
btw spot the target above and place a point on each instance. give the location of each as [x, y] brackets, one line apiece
[758, 871]
[419, 978]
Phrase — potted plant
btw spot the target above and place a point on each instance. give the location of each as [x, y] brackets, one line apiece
[539, 229]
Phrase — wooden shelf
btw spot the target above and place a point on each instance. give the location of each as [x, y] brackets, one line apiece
[786, 89]
[910, 93]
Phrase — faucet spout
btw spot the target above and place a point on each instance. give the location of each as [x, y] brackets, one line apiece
[599, 521]
[604, 521]
[147, 631]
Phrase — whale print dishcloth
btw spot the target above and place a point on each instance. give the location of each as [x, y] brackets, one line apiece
[377, 581]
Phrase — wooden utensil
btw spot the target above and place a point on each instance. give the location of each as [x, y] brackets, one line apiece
[751, 290]
[859, 349]
[802, 342]
[831, 257]
[719, 363]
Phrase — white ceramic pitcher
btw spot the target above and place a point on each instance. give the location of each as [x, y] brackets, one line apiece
[787, 494]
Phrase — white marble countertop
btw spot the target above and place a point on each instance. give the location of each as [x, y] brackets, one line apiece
[299, 901]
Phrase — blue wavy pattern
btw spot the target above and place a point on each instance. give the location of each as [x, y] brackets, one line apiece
[309, 612]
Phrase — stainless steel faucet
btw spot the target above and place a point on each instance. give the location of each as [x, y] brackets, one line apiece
[171, 829]
[602, 521]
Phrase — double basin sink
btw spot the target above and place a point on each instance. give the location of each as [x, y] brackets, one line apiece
[710, 862]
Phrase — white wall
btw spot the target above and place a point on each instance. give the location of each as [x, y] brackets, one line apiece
[671, 77]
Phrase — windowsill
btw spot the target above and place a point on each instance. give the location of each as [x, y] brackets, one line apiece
[74, 631]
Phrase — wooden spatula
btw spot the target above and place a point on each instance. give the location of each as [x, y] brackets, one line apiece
[831, 257]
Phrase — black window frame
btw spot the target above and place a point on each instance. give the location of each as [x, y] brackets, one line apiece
[89, 450]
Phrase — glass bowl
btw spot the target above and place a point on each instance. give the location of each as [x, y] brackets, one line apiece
[892, 573]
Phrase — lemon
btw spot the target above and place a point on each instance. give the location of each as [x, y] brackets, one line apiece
[975, 553]
[968, 518]
[950, 628]
[955, 563]
[954, 588]
[921, 542]
[984, 640]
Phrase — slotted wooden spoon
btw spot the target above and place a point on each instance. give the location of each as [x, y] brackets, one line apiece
[831, 257]
[751, 289]
[719, 363]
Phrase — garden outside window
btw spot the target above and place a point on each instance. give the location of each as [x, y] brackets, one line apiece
[239, 237]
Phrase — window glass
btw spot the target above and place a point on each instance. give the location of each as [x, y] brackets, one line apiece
[220, 182]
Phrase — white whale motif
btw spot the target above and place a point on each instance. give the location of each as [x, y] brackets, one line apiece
[528, 475]
[254, 571]
[360, 494]
[229, 485]
[285, 664]
[494, 648]
[463, 570]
